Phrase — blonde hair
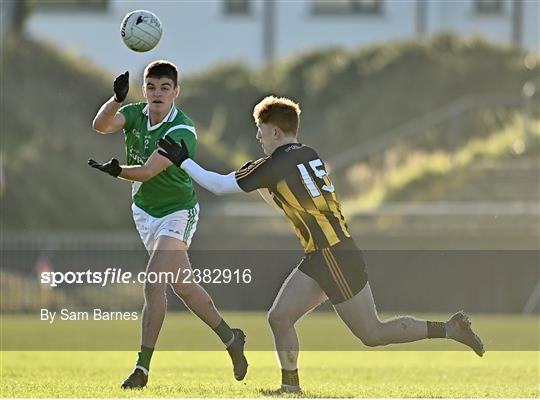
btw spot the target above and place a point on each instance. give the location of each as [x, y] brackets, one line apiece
[279, 111]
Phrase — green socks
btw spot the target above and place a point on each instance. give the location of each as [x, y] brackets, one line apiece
[224, 332]
[145, 355]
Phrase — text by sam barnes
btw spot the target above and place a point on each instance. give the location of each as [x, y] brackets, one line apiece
[96, 314]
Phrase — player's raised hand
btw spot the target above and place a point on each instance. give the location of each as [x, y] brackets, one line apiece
[121, 87]
[177, 153]
[112, 167]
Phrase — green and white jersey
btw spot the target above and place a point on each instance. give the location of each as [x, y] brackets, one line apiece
[172, 189]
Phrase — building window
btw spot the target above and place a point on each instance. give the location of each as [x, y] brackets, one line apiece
[344, 7]
[70, 5]
[237, 7]
[489, 6]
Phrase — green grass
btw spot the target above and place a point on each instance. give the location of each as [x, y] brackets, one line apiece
[323, 374]
[419, 371]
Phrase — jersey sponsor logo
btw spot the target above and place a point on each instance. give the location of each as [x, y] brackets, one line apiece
[293, 147]
[134, 155]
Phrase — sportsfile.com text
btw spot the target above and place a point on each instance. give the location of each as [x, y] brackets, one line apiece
[118, 276]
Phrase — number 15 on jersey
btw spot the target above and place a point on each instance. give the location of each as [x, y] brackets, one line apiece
[318, 169]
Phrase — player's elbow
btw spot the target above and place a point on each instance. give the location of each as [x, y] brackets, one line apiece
[102, 127]
[98, 126]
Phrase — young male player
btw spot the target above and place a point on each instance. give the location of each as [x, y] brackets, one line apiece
[294, 178]
[165, 206]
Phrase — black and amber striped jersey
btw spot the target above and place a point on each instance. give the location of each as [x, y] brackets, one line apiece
[296, 177]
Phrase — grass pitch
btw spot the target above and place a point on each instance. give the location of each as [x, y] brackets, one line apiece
[323, 374]
[508, 369]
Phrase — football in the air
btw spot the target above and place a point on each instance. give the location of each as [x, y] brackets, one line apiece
[141, 30]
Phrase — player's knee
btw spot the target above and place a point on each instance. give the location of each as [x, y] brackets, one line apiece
[184, 290]
[278, 319]
[153, 289]
[370, 338]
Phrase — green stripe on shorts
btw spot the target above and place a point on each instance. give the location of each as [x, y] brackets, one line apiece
[189, 224]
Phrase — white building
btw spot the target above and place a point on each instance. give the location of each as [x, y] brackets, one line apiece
[198, 34]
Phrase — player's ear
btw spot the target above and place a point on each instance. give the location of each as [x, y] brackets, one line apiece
[144, 91]
[177, 90]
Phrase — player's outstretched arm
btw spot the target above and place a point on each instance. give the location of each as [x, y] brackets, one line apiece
[142, 173]
[108, 119]
[138, 173]
[212, 181]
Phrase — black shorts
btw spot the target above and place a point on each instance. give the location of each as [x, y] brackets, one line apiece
[339, 270]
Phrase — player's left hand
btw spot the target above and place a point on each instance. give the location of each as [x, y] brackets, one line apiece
[177, 153]
[112, 167]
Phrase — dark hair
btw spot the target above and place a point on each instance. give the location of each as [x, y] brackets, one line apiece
[161, 68]
[281, 112]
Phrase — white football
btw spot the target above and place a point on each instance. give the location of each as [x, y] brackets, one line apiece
[141, 30]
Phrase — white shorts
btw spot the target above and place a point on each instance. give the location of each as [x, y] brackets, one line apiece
[180, 225]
